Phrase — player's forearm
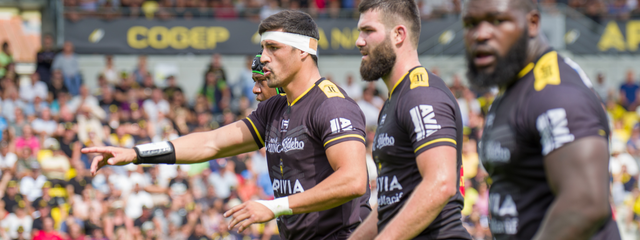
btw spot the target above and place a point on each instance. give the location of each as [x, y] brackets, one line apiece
[422, 207]
[368, 229]
[569, 219]
[342, 186]
[227, 141]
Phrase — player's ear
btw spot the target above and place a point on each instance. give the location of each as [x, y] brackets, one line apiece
[533, 23]
[399, 34]
[303, 55]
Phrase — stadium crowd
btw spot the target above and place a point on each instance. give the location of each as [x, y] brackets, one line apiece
[597, 10]
[47, 192]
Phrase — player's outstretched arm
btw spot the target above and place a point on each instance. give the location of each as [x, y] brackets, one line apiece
[368, 229]
[348, 181]
[439, 179]
[226, 141]
[578, 175]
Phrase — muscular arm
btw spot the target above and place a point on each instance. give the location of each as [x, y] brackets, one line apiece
[349, 180]
[369, 228]
[226, 141]
[578, 176]
[439, 178]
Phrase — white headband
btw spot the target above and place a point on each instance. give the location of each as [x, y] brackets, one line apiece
[304, 43]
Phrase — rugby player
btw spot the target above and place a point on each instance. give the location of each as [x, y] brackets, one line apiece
[418, 141]
[314, 137]
[260, 88]
[545, 138]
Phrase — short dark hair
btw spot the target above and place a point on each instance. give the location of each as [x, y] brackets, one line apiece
[393, 9]
[293, 22]
[525, 5]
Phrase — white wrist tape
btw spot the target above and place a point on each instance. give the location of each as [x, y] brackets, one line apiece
[302, 42]
[279, 206]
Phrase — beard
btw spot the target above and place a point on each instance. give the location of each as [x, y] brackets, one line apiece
[506, 68]
[379, 63]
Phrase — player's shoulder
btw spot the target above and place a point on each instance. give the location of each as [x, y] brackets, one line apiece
[328, 92]
[553, 72]
[422, 85]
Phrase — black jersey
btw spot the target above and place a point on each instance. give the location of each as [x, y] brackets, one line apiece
[296, 136]
[420, 114]
[551, 104]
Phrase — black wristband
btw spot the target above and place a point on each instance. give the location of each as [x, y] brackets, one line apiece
[155, 153]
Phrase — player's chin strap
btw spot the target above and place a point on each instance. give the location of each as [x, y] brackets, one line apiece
[302, 42]
[279, 206]
[155, 153]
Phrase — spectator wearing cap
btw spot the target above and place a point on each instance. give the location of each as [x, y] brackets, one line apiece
[43, 211]
[31, 184]
[47, 232]
[55, 166]
[67, 63]
[19, 223]
[13, 198]
[34, 88]
[7, 159]
[47, 199]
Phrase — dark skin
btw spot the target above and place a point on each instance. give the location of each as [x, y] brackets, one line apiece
[577, 172]
[260, 88]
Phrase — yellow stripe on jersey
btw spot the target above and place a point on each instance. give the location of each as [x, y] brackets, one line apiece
[344, 136]
[301, 95]
[546, 71]
[256, 130]
[330, 89]
[398, 83]
[526, 70]
[419, 78]
[435, 141]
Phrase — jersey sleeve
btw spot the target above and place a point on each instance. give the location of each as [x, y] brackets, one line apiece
[562, 114]
[428, 115]
[258, 119]
[339, 120]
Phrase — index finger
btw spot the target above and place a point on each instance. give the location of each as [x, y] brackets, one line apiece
[96, 150]
[233, 210]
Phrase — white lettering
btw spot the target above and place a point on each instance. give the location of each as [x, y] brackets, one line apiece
[384, 140]
[424, 121]
[297, 187]
[289, 144]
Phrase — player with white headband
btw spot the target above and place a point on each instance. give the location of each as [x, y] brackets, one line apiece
[314, 137]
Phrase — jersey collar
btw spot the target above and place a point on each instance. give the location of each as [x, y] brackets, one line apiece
[305, 93]
[530, 66]
[401, 79]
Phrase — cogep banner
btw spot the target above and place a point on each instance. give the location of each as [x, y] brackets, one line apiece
[143, 36]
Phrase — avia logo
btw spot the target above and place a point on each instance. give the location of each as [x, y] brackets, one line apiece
[424, 120]
[340, 125]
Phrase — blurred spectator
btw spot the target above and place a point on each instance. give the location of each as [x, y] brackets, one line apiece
[226, 10]
[354, 90]
[269, 9]
[601, 87]
[620, 158]
[109, 72]
[12, 198]
[155, 105]
[7, 159]
[67, 63]
[619, 9]
[224, 179]
[56, 165]
[469, 106]
[45, 124]
[47, 232]
[216, 92]
[31, 185]
[629, 92]
[136, 200]
[45, 57]
[18, 224]
[28, 140]
[216, 67]
[83, 100]
[121, 138]
[35, 88]
[141, 69]
[10, 103]
[369, 106]
[244, 84]
[57, 87]
[172, 87]
[5, 58]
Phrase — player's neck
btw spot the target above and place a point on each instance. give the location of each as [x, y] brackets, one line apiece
[302, 81]
[404, 63]
[537, 47]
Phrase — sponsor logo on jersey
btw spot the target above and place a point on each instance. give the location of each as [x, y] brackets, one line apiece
[424, 120]
[553, 129]
[288, 144]
[384, 140]
[383, 185]
[504, 214]
[384, 117]
[340, 125]
[284, 125]
[495, 152]
[284, 186]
